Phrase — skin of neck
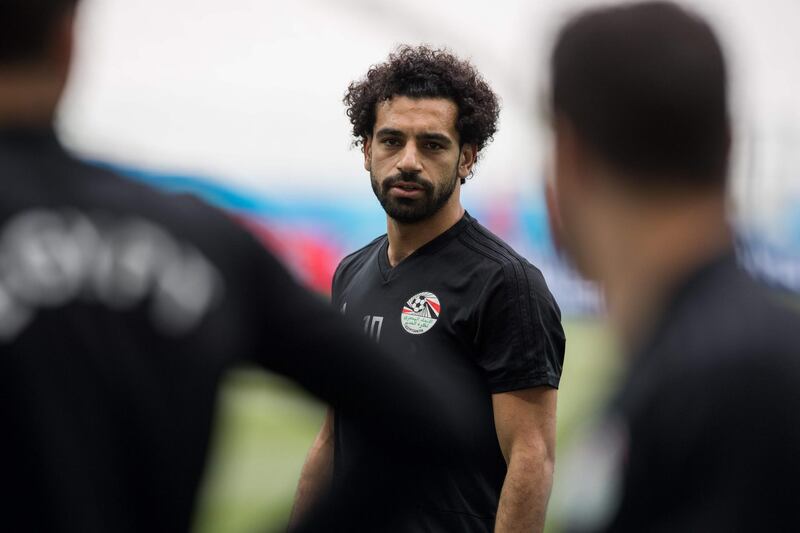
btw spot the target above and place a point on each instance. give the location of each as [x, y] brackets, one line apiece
[28, 97]
[646, 244]
[30, 90]
[405, 239]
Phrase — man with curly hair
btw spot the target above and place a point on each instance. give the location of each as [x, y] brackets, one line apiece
[439, 285]
[121, 310]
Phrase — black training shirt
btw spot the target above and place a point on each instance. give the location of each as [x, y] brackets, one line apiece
[706, 423]
[467, 298]
[120, 308]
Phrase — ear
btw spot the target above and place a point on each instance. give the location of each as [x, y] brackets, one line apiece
[467, 157]
[367, 149]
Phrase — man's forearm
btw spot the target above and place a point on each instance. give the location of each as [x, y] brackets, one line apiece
[316, 475]
[526, 491]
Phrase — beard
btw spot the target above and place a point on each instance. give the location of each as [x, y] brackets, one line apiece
[411, 210]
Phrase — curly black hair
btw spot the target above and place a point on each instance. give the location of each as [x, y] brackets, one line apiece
[424, 72]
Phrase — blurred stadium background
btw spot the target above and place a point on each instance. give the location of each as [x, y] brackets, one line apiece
[240, 103]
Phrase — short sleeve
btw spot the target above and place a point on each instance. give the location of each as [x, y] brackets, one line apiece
[520, 341]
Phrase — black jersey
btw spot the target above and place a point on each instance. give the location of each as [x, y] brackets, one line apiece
[707, 419]
[120, 307]
[467, 298]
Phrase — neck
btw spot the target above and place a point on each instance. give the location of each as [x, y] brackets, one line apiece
[652, 248]
[28, 98]
[405, 239]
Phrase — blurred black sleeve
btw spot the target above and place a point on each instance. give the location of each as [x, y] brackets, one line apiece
[412, 416]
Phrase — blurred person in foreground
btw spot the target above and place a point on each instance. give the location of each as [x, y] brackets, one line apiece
[704, 433]
[441, 287]
[120, 309]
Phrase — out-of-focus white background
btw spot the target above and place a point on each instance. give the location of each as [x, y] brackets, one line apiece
[245, 96]
[249, 91]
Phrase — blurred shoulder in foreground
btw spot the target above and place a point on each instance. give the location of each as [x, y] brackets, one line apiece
[699, 437]
[121, 307]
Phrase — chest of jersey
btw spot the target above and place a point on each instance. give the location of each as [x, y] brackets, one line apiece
[423, 308]
[467, 297]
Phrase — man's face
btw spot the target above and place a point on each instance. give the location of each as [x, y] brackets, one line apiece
[414, 158]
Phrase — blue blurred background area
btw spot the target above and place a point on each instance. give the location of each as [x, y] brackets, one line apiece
[239, 102]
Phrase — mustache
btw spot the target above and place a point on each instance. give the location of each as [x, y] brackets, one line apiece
[407, 177]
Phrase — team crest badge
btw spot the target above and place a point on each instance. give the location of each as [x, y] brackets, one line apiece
[420, 313]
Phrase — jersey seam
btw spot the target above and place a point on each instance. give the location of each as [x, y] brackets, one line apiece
[513, 257]
[492, 238]
[513, 263]
[512, 254]
[502, 265]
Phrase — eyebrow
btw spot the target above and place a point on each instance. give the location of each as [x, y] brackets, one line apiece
[439, 137]
[385, 132]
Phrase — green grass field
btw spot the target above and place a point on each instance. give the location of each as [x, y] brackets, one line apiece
[266, 425]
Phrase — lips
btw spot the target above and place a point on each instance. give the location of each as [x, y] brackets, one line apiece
[407, 186]
[406, 190]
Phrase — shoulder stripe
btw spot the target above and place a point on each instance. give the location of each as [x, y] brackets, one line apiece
[483, 234]
[514, 270]
[515, 276]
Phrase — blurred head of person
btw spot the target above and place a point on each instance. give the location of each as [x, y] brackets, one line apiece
[36, 41]
[421, 118]
[641, 130]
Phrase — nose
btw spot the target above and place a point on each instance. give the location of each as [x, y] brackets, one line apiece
[409, 159]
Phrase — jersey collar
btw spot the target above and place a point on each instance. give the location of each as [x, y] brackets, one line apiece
[427, 249]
